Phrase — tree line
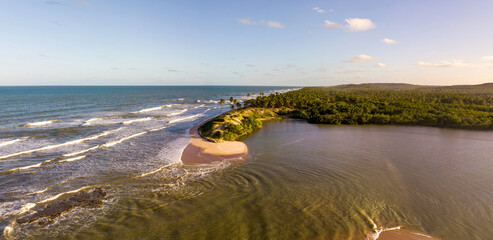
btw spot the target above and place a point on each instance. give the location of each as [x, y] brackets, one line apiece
[453, 107]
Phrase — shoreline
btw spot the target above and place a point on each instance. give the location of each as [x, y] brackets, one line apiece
[202, 151]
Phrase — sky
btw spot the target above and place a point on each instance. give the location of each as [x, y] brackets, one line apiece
[240, 42]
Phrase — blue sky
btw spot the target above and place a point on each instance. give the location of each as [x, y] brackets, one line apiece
[256, 42]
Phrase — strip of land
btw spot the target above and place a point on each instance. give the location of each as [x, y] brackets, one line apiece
[203, 151]
[215, 140]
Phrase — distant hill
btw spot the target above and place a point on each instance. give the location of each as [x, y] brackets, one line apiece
[406, 86]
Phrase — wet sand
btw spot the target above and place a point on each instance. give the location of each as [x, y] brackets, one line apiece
[403, 235]
[203, 151]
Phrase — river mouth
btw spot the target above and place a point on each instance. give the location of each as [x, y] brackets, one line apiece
[306, 181]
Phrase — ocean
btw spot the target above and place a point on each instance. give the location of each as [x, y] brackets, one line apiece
[299, 180]
[59, 139]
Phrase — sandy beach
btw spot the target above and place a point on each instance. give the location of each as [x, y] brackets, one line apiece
[203, 151]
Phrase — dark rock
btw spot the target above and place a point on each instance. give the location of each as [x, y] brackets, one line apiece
[53, 209]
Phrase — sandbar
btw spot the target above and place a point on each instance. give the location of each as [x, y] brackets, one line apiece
[203, 151]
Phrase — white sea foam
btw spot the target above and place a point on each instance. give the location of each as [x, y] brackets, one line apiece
[200, 105]
[29, 167]
[110, 144]
[63, 193]
[155, 171]
[149, 109]
[38, 192]
[180, 99]
[376, 230]
[157, 129]
[137, 120]
[184, 118]
[36, 124]
[2, 144]
[73, 142]
[88, 122]
[7, 230]
[72, 159]
[178, 113]
[80, 152]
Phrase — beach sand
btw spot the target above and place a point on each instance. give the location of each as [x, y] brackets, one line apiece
[403, 235]
[203, 151]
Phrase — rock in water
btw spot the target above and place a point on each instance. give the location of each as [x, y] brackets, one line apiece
[54, 208]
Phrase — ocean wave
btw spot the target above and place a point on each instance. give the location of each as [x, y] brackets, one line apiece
[185, 118]
[2, 144]
[88, 122]
[149, 109]
[80, 152]
[38, 192]
[73, 142]
[72, 159]
[37, 124]
[200, 106]
[136, 120]
[28, 167]
[110, 144]
[177, 113]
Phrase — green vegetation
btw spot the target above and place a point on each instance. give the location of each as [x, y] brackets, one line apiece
[236, 123]
[469, 107]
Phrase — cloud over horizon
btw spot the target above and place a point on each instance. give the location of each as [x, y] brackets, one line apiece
[271, 24]
[361, 59]
[352, 24]
[328, 24]
[389, 41]
[359, 24]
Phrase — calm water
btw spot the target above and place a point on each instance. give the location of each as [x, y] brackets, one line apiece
[301, 181]
[59, 139]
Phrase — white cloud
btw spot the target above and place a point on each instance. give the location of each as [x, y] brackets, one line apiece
[381, 65]
[453, 63]
[389, 41]
[359, 24]
[487, 58]
[362, 58]
[328, 24]
[273, 24]
[319, 10]
[247, 21]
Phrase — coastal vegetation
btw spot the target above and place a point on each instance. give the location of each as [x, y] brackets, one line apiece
[468, 107]
[236, 123]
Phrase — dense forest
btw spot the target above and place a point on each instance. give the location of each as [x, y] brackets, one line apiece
[469, 107]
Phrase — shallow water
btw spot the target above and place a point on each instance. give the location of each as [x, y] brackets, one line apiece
[55, 140]
[306, 181]
[301, 181]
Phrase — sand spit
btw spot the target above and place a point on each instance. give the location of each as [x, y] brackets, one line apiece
[401, 234]
[202, 151]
